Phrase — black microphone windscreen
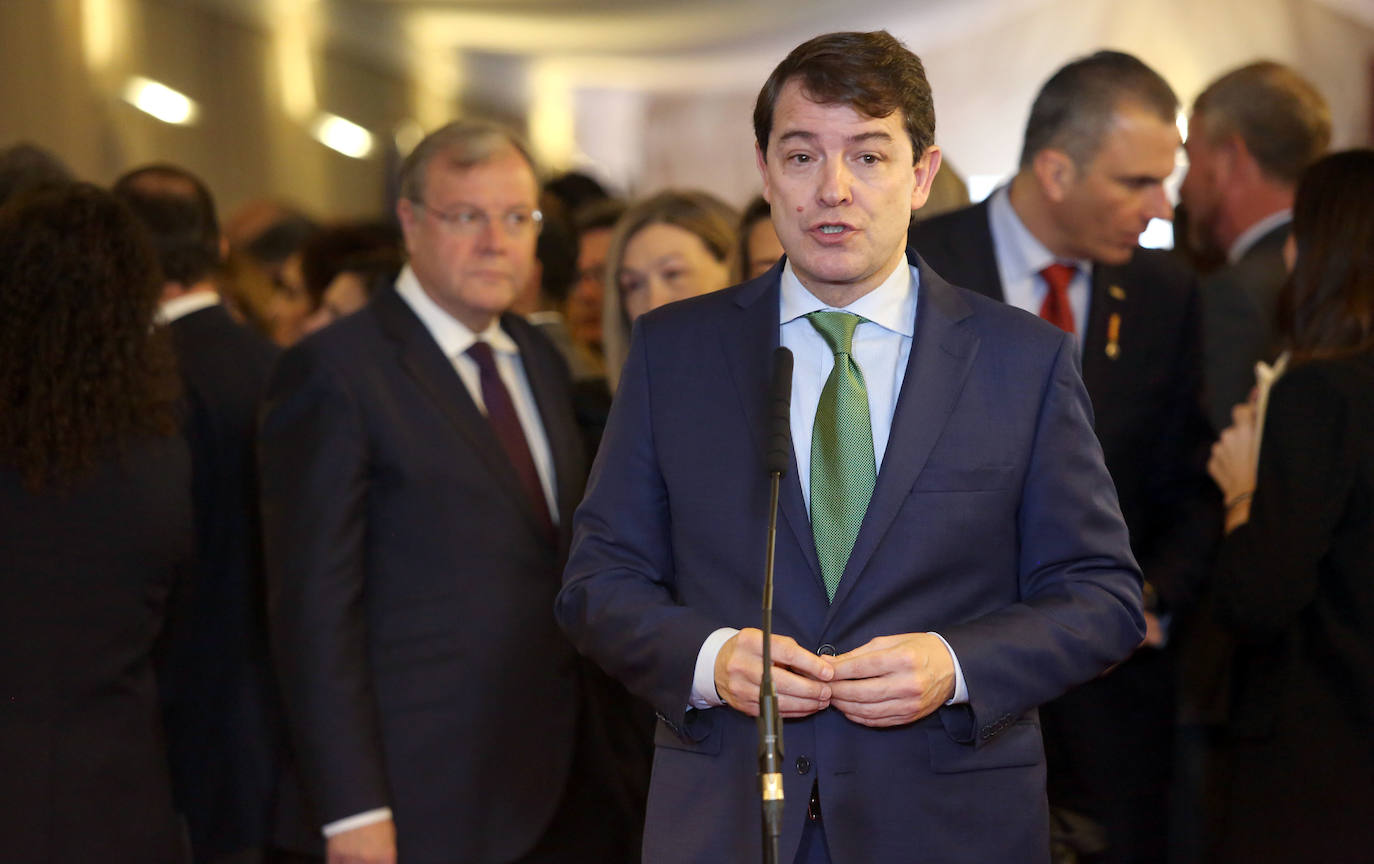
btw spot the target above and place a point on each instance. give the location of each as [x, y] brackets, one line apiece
[780, 432]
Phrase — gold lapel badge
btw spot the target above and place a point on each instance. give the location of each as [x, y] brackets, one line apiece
[1117, 292]
[1113, 335]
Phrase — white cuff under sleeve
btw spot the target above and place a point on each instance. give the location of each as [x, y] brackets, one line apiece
[371, 817]
[960, 688]
[704, 681]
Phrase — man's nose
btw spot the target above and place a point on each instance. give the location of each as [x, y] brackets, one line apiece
[836, 181]
[1157, 205]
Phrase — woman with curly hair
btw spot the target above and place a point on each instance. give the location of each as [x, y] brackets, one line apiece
[1295, 578]
[95, 523]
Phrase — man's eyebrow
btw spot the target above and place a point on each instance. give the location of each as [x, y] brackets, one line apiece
[803, 135]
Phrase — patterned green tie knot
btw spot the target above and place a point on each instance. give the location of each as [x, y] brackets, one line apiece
[843, 468]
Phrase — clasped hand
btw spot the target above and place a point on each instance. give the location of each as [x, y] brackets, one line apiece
[890, 681]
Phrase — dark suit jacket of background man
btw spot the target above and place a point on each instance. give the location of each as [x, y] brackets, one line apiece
[991, 458]
[412, 588]
[223, 718]
[1110, 739]
[1240, 304]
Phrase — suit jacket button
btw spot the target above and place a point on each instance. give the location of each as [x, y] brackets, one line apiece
[803, 765]
[826, 650]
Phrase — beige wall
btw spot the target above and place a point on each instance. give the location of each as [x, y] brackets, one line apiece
[245, 144]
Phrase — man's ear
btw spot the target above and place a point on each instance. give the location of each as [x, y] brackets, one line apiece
[762, 162]
[405, 212]
[925, 169]
[1056, 172]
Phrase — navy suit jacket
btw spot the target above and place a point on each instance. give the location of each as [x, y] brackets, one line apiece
[993, 522]
[410, 588]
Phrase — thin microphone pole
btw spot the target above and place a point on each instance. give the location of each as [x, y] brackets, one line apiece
[770, 725]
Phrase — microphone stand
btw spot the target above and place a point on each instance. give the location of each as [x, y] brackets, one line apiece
[770, 724]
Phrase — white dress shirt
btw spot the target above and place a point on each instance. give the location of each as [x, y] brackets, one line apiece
[454, 339]
[1250, 236]
[179, 307]
[881, 348]
[1021, 257]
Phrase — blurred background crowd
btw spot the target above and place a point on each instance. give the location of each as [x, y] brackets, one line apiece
[140, 717]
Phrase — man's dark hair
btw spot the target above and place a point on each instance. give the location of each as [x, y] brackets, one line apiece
[873, 73]
[1283, 120]
[179, 213]
[1076, 106]
[24, 167]
[575, 190]
[595, 215]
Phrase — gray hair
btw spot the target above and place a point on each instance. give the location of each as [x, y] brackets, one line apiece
[461, 144]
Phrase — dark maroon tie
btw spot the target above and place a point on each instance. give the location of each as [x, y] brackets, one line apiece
[1056, 308]
[506, 424]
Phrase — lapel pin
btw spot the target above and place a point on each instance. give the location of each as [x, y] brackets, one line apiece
[1114, 333]
[1117, 292]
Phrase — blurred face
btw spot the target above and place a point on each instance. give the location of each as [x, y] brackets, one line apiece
[1201, 189]
[584, 302]
[842, 187]
[471, 242]
[344, 296]
[289, 304]
[663, 263]
[1102, 208]
[764, 248]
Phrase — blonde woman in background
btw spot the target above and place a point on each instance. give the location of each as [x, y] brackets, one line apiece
[674, 245]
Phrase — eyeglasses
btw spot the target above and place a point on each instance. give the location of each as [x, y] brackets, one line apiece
[472, 221]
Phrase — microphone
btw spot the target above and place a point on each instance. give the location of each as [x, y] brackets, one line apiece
[780, 432]
[770, 724]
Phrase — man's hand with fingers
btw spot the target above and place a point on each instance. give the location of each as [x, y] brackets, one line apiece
[799, 676]
[893, 680]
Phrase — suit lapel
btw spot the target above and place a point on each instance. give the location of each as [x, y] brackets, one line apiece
[750, 361]
[942, 352]
[1107, 301]
[421, 358]
[967, 239]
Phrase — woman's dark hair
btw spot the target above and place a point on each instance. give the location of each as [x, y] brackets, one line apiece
[1326, 308]
[81, 370]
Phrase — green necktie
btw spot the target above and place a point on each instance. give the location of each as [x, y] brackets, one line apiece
[843, 469]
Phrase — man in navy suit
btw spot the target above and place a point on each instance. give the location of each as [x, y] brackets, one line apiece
[420, 465]
[950, 551]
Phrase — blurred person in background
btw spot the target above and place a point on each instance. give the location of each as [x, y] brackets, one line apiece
[224, 724]
[595, 225]
[574, 190]
[759, 248]
[342, 265]
[1294, 581]
[671, 246]
[25, 166]
[267, 235]
[1252, 133]
[95, 486]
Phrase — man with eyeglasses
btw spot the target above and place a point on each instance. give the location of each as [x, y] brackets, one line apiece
[420, 467]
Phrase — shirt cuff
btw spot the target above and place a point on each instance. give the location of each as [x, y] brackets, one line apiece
[371, 817]
[704, 693]
[960, 688]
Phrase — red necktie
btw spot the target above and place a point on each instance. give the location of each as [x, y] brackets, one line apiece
[506, 424]
[1056, 308]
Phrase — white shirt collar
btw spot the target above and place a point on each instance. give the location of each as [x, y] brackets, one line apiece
[892, 305]
[453, 336]
[1250, 236]
[179, 307]
[1018, 251]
